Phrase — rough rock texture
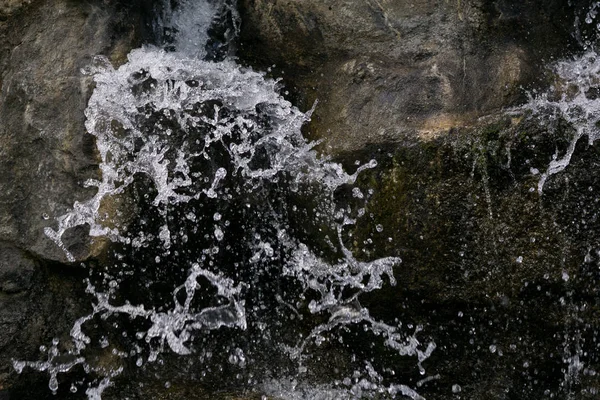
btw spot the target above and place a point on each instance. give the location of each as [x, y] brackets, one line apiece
[396, 70]
[45, 153]
[504, 280]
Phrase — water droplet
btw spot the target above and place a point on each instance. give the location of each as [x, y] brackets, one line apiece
[18, 366]
[191, 216]
[356, 193]
[45, 216]
[53, 383]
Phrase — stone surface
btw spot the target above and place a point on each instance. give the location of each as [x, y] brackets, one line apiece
[45, 153]
[396, 70]
[502, 279]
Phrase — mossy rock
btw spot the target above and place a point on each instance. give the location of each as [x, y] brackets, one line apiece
[502, 277]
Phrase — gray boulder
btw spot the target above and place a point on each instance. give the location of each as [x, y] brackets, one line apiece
[45, 153]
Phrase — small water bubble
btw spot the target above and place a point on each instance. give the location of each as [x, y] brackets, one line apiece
[73, 388]
[519, 259]
[167, 384]
[191, 216]
[565, 276]
[492, 349]
[217, 217]
[45, 216]
[460, 314]
[456, 388]
[356, 193]
[219, 234]
[53, 383]
[379, 228]
[18, 366]
[157, 259]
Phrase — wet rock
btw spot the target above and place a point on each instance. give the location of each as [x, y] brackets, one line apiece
[502, 278]
[45, 153]
[46, 156]
[38, 302]
[394, 71]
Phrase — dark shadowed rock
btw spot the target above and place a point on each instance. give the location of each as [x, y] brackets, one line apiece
[504, 280]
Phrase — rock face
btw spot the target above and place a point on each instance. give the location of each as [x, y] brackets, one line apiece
[396, 70]
[503, 280]
[45, 152]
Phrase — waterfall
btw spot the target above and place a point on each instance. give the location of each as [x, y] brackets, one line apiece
[229, 233]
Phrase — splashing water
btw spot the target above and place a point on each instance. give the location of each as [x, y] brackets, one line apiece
[577, 104]
[239, 227]
[575, 96]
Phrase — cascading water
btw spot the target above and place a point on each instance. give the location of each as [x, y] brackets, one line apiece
[240, 240]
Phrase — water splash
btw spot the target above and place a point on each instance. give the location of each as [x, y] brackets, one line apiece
[240, 225]
[574, 99]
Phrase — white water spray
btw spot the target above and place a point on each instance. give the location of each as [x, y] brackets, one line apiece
[196, 134]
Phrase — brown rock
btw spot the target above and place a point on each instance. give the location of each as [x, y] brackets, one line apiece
[45, 153]
[394, 71]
